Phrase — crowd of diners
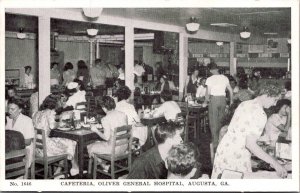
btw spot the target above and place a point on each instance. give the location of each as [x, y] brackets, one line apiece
[238, 119]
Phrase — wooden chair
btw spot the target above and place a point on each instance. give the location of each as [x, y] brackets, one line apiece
[190, 122]
[46, 161]
[15, 164]
[121, 136]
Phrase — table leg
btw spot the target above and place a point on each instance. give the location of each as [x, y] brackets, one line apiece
[80, 158]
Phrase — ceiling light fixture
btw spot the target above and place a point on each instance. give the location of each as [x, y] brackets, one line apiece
[193, 25]
[21, 34]
[92, 31]
[92, 12]
[245, 34]
[219, 43]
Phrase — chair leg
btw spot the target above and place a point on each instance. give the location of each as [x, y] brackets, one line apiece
[32, 171]
[90, 166]
[50, 173]
[66, 167]
[95, 167]
[46, 171]
[112, 169]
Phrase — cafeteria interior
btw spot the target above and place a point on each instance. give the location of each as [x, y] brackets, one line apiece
[148, 93]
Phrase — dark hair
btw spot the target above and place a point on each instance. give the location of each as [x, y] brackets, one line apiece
[68, 66]
[182, 159]
[108, 103]
[280, 103]
[166, 130]
[287, 85]
[136, 62]
[49, 102]
[123, 93]
[27, 67]
[212, 66]
[243, 83]
[18, 102]
[80, 83]
[81, 64]
[270, 89]
[52, 64]
[166, 95]
[98, 61]
[11, 88]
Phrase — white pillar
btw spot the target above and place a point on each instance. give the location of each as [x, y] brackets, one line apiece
[91, 53]
[97, 50]
[44, 57]
[183, 62]
[129, 57]
[232, 59]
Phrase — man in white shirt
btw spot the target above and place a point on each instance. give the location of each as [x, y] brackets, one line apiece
[77, 95]
[138, 71]
[28, 78]
[216, 96]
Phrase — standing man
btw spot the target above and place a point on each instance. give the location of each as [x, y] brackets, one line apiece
[216, 96]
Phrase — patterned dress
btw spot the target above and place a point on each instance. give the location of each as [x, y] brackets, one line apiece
[232, 154]
[55, 146]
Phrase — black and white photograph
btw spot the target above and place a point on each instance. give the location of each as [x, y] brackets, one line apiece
[146, 97]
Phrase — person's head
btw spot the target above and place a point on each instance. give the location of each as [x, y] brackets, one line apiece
[98, 62]
[195, 72]
[123, 93]
[15, 107]
[182, 161]
[80, 84]
[169, 133]
[202, 81]
[49, 102]
[11, 92]
[72, 87]
[136, 62]
[287, 85]
[282, 106]
[166, 95]
[163, 79]
[243, 83]
[213, 68]
[68, 66]
[81, 64]
[233, 83]
[54, 65]
[119, 83]
[27, 69]
[269, 93]
[253, 82]
[108, 104]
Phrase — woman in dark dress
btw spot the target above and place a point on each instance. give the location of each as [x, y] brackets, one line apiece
[191, 83]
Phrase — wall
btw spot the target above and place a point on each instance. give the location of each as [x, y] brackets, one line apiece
[20, 53]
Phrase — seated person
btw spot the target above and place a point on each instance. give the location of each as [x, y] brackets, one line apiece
[233, 84]
[151, 164]
[76, 95]
[112, 120]
[18, 122]
[45, 119]
[138, 130]
[169, 109]
[201, 90]
[243, 94]
[278, 122]
[182, 162]
[12, 92]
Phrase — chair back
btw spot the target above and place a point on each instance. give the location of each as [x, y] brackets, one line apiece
[40, 143]
[15, 164]
[122, 136]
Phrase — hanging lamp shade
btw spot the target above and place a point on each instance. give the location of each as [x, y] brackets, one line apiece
[92, 12]
[193, 25]
[245, 33]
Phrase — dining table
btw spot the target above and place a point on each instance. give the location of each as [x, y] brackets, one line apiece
[83, 136]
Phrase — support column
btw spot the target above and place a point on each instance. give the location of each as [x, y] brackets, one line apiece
[129, 57]
[44, 57]
[183, 62]
[232, 59]
[97, 50]
[91, 53]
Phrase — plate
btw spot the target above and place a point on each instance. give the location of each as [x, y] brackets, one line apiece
[64, 128]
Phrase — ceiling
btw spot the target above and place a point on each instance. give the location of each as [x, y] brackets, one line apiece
[258, 20]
